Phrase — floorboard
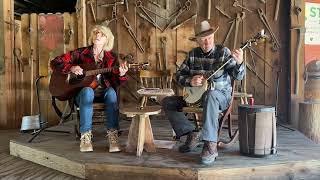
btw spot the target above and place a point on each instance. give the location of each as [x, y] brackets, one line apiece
[297, 158]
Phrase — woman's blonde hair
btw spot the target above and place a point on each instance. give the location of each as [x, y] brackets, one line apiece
[105, 31]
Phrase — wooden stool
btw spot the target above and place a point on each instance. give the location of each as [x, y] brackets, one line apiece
[140, 134]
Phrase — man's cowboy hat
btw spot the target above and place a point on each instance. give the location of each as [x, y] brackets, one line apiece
[203, 29]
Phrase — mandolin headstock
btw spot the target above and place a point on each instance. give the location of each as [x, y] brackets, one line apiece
[258, 38]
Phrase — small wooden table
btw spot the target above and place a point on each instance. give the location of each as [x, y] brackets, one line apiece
[140, 133]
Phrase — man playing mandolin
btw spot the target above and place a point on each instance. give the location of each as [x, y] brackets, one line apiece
[101, 42]
[200, 62]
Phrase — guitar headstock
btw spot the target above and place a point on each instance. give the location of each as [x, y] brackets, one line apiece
[138, 66]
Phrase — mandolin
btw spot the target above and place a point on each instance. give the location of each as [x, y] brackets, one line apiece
[64, 86]
[193, 95]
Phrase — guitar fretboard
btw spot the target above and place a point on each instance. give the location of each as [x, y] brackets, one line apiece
[99, 71]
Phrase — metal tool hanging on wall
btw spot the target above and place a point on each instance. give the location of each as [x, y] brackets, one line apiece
[155, 3]
[209, 10]
[301, 31]
[236, 3]
[235, 24]
[163, 41]
[68, 34]
[276, 11]
[260, 57]
[263, 18]
[144, 9]
[114, 10]
[183, 22]
[186, 7]
[219, 8]
[90, 2]
[112, 4]
[147, 17]
[132, 34]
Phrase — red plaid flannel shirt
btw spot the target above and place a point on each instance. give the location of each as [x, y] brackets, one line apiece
[84, 55]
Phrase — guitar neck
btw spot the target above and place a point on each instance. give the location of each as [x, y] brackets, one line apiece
[105, 70]
[99, 71]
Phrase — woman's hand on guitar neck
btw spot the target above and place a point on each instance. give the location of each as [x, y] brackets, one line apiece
[238, 55]
[197, 80]
[77, 70]
[123, 68]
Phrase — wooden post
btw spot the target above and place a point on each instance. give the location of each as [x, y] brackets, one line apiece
[34, 59]
[81, 15]
[26, 52]
[7, 85]
[309, 122]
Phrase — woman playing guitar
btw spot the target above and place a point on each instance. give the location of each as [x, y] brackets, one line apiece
[97, 55]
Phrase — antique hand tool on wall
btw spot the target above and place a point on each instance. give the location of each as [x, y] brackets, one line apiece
[144, 9]
[150, 21]
[114, 10]
[209, 9]
[167, 4]
[183, 22]
[127, 5]
[263, 18]
[132, 34]
[223, 12]
[236, 23]
[260, 57]
[239, 18]
[301, 32]
[256, 74]
[90, 2]
[155, 3]
[17, 55]
[186, 7]
[164, 51]
[229, 32]
[276, 11]
[148, 18]
[236, 3]
[112, 4]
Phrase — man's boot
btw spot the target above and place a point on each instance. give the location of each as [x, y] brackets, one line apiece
[209, 152]
[193, 140]
[85, 142]
[113, 139]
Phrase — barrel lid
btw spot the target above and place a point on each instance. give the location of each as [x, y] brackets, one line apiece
[257, 108]
[313, 68]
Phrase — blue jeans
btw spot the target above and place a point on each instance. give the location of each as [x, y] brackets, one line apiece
[85, 99]
[214, 102]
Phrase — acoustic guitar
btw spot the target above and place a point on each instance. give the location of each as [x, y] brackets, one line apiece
[64, 86]
[193, 95]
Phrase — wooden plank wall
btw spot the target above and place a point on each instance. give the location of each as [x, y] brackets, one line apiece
[8, 66]
[178, 40]
[38, 43]
[78, 25]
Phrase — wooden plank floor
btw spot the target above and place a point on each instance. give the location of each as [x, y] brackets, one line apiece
[15, 168]
[297, 158]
